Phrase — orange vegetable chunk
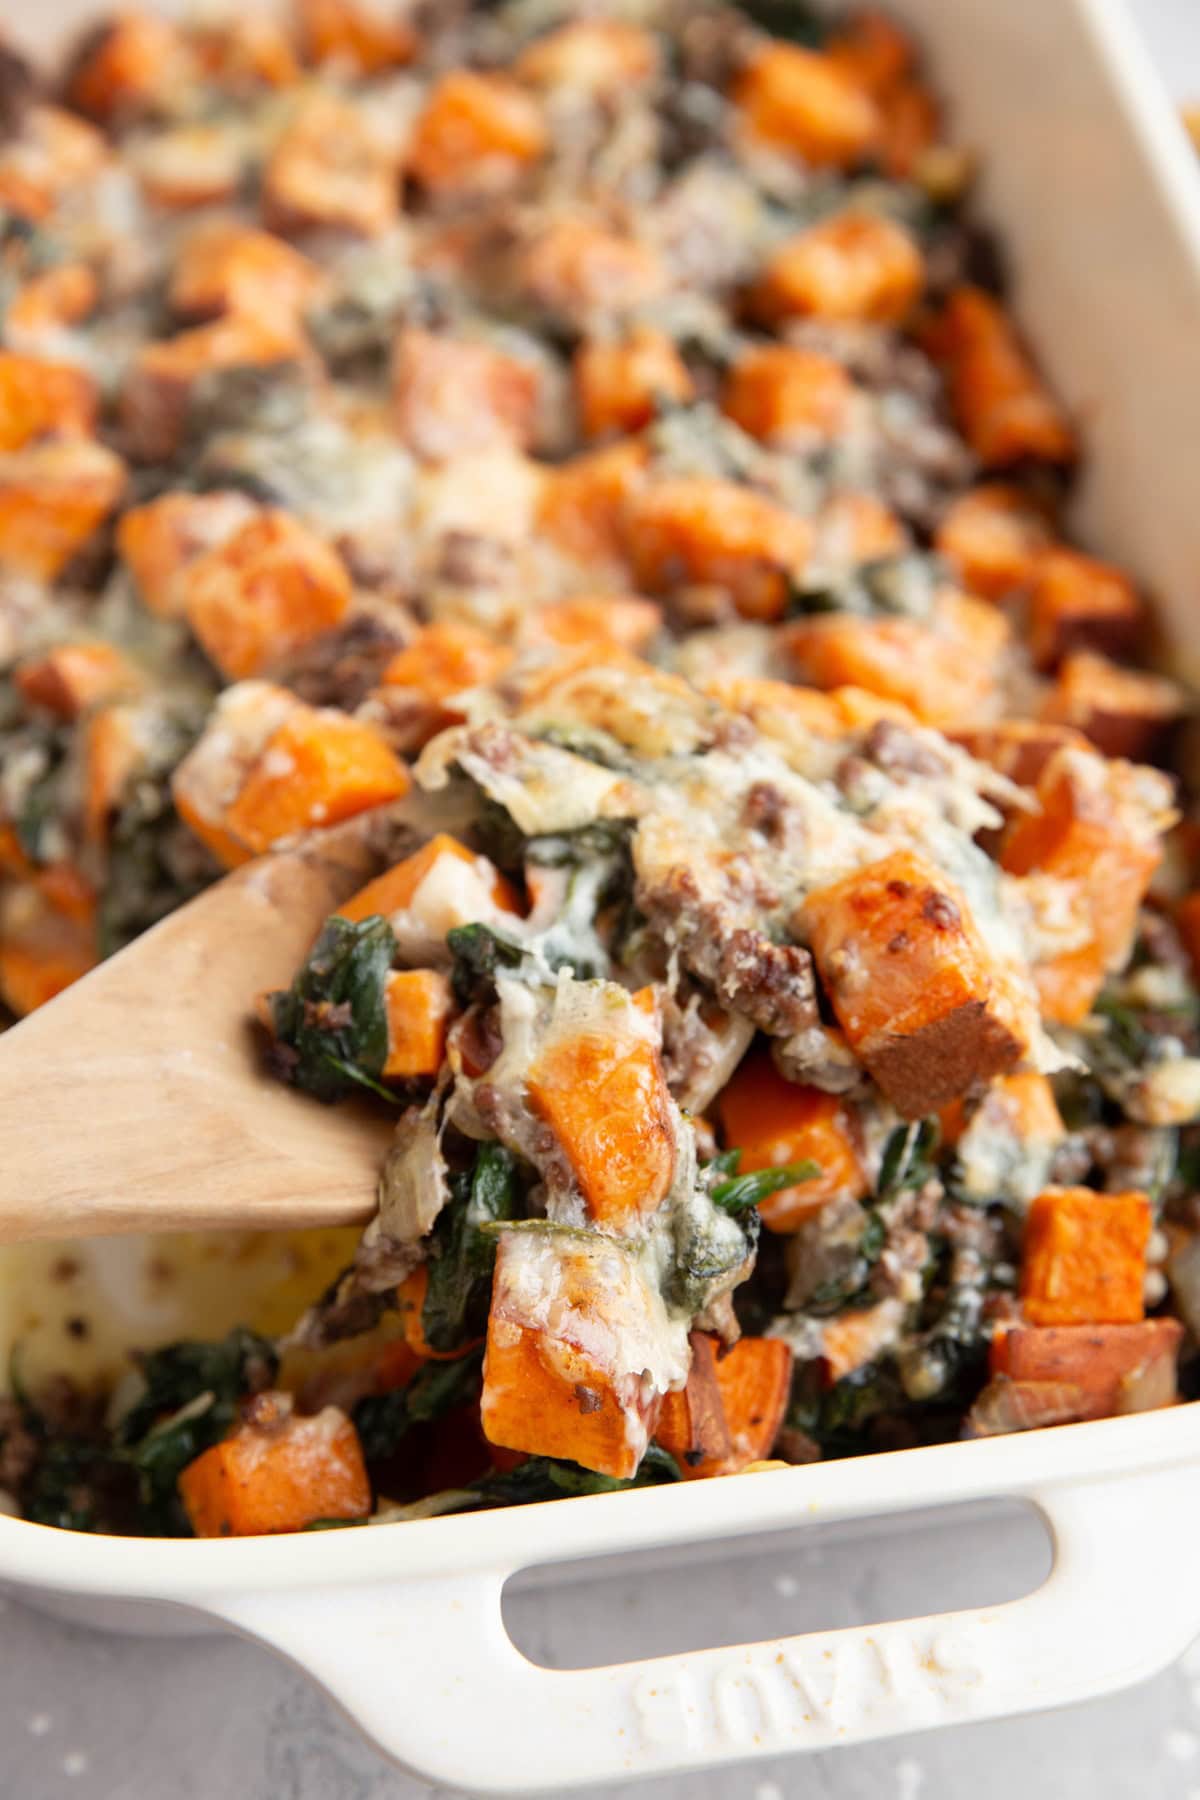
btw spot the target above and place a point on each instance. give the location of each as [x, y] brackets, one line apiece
[476, 133]
[41, 951]
[48, 303]
[691, 1421]
[362, 38]
[574, 270]
[754, 1377]
[994, 537]
[1084, 1257]
[278, 1471]
[398, 887]
[160, 384]
[579, 1350]
[802, 102]
[1077, 602]
[597, 56]
[451, 396]
[1114, 1368]
[331, 171]
[620, 383]
[702, 530]
[1125, 712]
[602, 1091]
[773, 1121]
[40, 399]
[420, 1006]
[227, 268]
[782, 394]
[268, 589]
[127, 68]
[157, 541]
[914, 988]
[53, 499]
[317, 769]
[70, 678]
[597, 622]
[582, 507]
[1001, 406]
[855, 265]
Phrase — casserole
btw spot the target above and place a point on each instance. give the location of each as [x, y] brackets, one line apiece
[850, 1684]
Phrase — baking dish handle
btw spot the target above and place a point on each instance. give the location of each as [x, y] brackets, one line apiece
[427, 1668]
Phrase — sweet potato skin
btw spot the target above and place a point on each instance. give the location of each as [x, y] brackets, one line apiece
[1060, 1374]
[1084, 1258]
[911, 982]
[774, 1121]
[1124, 712]
[280, 1477]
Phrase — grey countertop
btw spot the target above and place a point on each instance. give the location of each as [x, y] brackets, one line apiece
[89, 1716]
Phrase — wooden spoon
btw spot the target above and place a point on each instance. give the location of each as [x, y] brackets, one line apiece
[137, 1100]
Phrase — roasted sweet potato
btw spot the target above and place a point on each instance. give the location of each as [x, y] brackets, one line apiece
[595, 56]
[1090, 832]
[1019, 748]
[701, 531]
[1083, 1261]
[854, 266]
[53, 499]
[317, 769]
[440, 863]
[70, 678]
[477, 133]
[785, 395]
[596, 622]
[1000, 404]
[127, 69]
[573, 270]
[1117, 1368]
[1125, 712]
[47, 304]
[244, 53]
[190, 166]
[691, 1421]
[54, 154]
[620, 383]
[577, 1356]
[114, 743]
[872, 50]
[1079, 603]
[159, 540]
[854, 528]
[773, 1121]
[915, 990]
[451, 396]
[278, 1471]
[41, 951]
[228, 268]
[582, 506]
[945, 672]
[994, 538]
[799, 101]
[158, 391]
[207, 781]
[330, 171]
[263, 592]
[603, 1094]
[754, 1377]
[852, 1339]
[444, 659]
[420, 1006]
[356, 35]
[40, 399]
[910, 127]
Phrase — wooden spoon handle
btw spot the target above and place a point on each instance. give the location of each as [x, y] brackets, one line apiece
[136, 1101]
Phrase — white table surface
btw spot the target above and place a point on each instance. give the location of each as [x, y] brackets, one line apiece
[86, 1716]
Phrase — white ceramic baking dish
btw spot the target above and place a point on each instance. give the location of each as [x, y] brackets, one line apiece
[1090, 183]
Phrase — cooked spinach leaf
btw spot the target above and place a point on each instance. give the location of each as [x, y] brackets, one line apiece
[228, 1368]
[901, 586]
[908, 1158]
[331, 1028]
[545, 1478]
[462, 1255]
[738, 1193]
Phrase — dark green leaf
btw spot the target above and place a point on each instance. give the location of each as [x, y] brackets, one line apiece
[740, 1192]
[227, 1368]
[792, 20]
[479, 953]
[544, 1478]
[462, 1255]
[331, 1027]
[383, 1421]
[908, 1157]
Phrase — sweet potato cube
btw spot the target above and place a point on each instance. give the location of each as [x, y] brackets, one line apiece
[49, 303]
[1091, 831]
[596, 56]
[799, 101]
[754, 1377]
[244, 53]
[451, 396]
[159, 540]
[853, 266]
[206, 783]
[477, 133]
[159, 388]
[1077, 602]
[40, 399]
[872, 50]
[53, 499]
[691, 1421]
[330, 171]
[596, 622]
[1115, 1368]
[696, 530]
[114, 744]
[420, 1006]
[54, 154]
[232, 269]
[998, 399]
[994, 537]
[582, 506]
[1084, 1257]
[41, 951]
[852, 1339]
[579, 1350]
[278, 1471]
[70, 678]
[943, 671]
[400, 887]
[1125, 712]
[441, 661]
[127, 69]
[773, 1121]
[1019, 748]
[913, 986]
[782, 394]
[317, 769]
[190, 166]
[363, 38]
[573, 270]
[603, 1094]
[621, 383]
[911, 125]
[268, 589]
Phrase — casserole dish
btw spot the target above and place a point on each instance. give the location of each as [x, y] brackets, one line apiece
[1071, 86]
